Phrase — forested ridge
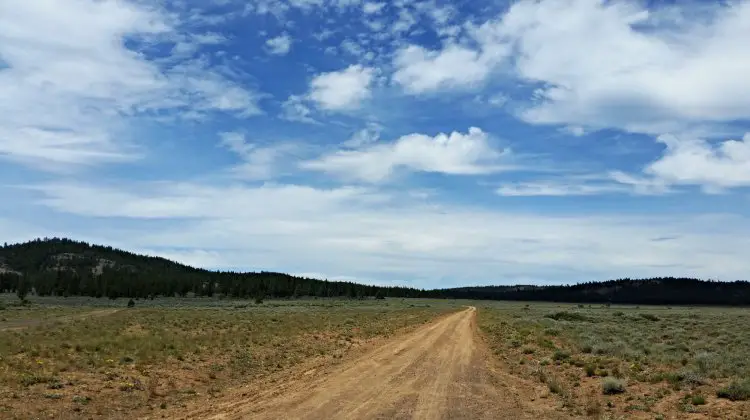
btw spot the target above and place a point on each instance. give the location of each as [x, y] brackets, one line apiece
[64, 267]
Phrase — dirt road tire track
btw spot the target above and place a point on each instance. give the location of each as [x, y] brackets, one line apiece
[439, 371]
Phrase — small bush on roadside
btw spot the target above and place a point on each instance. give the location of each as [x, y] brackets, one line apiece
[698, 399]
[736, 391]
[612, 385]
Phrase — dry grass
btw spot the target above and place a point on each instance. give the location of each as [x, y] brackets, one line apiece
[673, 360]
[151, 359]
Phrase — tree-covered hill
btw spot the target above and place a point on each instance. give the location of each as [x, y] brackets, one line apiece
[65, 267]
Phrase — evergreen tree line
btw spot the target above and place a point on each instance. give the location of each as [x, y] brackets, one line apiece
[63, 267]
[653, 291]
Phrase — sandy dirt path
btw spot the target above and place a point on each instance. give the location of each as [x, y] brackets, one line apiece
[440, 371]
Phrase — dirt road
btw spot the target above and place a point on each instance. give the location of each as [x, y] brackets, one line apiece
[439, 371]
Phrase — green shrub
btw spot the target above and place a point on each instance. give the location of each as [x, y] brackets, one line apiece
[650, 317]
[81, 399]
[560, 355]
[590, 370]
[33, 379]
[612, 385]
[554, 385]
[698, 399]
[707, 363]
[567, 316]
[736, 391]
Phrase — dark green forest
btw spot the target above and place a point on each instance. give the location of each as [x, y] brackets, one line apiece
[63, 267]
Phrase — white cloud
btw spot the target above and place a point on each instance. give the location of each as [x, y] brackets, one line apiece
[69, 85]
[370, 8]
[617, 65]
[365, 136]
[498, 100]
[342, 90]
[603, 64]
[455, 153]
[209, 38]
[306, 4]
[295, 109]
[280, 45]
[273, 7]
[560, 189]
[352, 48]
[419, 70]
[378, 236]
[406, 20]
[696, 162]
[258, 162]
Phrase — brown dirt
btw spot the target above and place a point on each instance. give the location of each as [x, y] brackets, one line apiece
[20, 324]
[439, 371]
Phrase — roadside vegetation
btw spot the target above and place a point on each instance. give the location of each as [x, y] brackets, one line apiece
[158, 354]
[627, 361]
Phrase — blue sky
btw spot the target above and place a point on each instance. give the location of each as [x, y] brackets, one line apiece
[424, 143]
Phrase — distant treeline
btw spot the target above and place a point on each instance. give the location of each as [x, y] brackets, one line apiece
[63, 267]
[654, 291]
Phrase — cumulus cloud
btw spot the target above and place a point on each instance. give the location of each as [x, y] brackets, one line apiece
[420, 70]
[280, 45]
[455, 153]
[618, 65]
[602, 64]
[688, 161]
[370, 7]
[342, 90]
[69, 83]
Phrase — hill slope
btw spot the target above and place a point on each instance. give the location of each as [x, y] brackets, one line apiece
[66, 267]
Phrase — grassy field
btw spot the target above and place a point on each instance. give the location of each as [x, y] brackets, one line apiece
[95, 358]
[628, 361]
